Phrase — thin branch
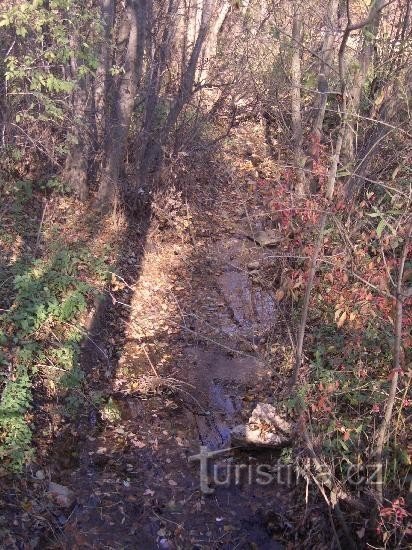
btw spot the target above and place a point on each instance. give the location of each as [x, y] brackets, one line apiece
[40, 228]
[384, 427]
[308, 291]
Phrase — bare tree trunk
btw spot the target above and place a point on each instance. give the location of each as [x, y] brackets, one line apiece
[188, 78]
[194, 17]
[296, 101]
[102, 99]
[3, 104]
[373, 140]
[124, 103]
[152, 159]
[245, 6]
[388, 113]
[331, 20]
[355, 88]
[344, 129]
[210, 48]
[382, 434]
[149, 142]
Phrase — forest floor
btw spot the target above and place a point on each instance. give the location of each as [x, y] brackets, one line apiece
[188, 341]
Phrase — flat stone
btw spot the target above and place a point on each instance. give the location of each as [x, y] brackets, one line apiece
[270, 237]
[253, 265]
[265, 428]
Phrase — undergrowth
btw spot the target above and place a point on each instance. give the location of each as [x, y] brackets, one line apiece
[348, 369]
[39, 338]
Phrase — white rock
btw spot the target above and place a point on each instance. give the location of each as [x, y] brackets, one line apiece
[265, 428]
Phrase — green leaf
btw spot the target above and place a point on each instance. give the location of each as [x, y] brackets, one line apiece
[276, 33]
[381, 226]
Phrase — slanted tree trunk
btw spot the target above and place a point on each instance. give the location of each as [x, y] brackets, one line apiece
[347, 94]
[355, 87]
[188, 77]
[152, 160]
[296, 101]
[388, 117]
[124, 102]
[158, 61]
[193, 20]
[210, 48]
[3, 103]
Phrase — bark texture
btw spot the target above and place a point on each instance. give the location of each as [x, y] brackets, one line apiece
[124, 101]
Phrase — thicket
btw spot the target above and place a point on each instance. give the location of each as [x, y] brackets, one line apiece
[109, 100]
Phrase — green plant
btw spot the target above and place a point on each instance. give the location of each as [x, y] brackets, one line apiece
[39, 332]
[110, 411]
[15, 448]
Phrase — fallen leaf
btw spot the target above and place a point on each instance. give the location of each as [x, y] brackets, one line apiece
[342, 319]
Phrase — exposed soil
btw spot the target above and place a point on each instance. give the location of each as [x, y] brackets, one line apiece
[181, 346]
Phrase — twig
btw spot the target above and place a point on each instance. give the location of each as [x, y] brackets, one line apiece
[40, 228]
[148, 358]
[327, 476]
[384, 427]
[374, 120]
[40, 148]
[309, 286]
[86, 334]
[332, 523]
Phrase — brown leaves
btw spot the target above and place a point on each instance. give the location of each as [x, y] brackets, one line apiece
[340, 317]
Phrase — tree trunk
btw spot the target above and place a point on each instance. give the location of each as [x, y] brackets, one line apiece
[296, 101]
[210, 48]
[124, 102]
[331, 20]
[103, 77]
[188, 77]
[153, 156]
[355, 88]
[158, 61]
[374, 140]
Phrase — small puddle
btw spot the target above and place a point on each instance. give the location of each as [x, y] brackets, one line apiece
[219, 378]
